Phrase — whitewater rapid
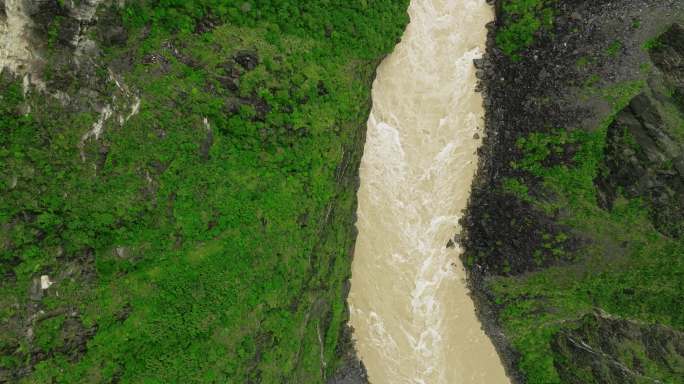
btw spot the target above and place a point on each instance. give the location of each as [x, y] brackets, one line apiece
[414, 321]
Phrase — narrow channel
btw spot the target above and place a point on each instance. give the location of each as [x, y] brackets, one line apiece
[414, 321]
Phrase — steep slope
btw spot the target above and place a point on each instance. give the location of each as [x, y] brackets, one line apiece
[178, 187]
[601, 349]
[577, 205]
[413, 319]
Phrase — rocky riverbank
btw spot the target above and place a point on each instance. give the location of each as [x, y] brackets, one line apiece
[543, 239]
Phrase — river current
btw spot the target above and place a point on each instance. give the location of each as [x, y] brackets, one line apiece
[414, 321]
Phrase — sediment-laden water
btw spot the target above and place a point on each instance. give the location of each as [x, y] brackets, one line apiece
[414, 321]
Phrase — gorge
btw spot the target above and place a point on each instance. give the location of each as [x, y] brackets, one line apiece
[289, 192]
[413, 320]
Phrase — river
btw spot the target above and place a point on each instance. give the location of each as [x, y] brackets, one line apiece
[414, 321]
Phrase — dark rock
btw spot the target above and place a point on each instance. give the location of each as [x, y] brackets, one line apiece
[232, 106]
[205, 146]
[124, 313]
[115, 35]
[643, 137]
[231, 78]
[303, 220]
[230, 83]
[153, 58]
[35, 291]
[44, 13]
[110, 28]
[322, 90]
[70, 343]
[518, 239]
[177, 49]
[248, 60]
[158, 166]
[350, 374]
[261, 107]
[68, 30]
[75, 337]
[668, 54]
[352, 370]
[536, 92]
[206, 24]
[607, 350]
[102, 154]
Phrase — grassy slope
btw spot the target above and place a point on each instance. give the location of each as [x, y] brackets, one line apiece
[626, 267]
[629, 269]
[233, 265]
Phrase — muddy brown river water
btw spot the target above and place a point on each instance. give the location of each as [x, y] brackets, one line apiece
[414, 321]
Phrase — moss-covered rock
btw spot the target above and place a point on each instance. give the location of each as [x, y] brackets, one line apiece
[600, 349]
[644, 155]
[577, 201]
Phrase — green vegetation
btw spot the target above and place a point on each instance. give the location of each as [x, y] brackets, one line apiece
[517, 188]
[582, 62]
[614, 48]
[207, 238]
[627, 268]
[522, 19]
[631, 346]
[642, 283]
[651, 44]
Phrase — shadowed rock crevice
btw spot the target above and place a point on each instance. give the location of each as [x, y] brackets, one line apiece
[644, 155]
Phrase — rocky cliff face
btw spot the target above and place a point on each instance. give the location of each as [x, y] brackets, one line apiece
[577, 208]
[49, 34]
[600, 349]
[644, 155]
[352, 370]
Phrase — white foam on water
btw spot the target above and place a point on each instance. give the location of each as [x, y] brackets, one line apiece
[414, 321]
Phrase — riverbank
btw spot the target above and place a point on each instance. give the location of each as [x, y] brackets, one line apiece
[413, 319]
[178, 187]
[541, 249]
